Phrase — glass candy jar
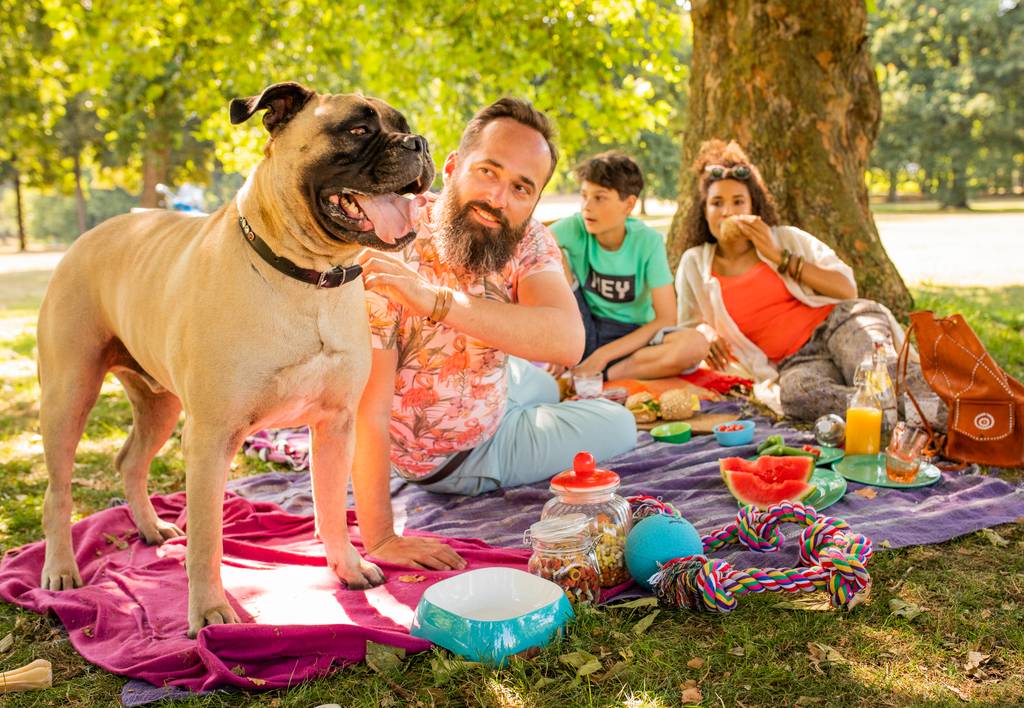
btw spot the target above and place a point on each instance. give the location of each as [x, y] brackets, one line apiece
[563, 552]
[586, 489]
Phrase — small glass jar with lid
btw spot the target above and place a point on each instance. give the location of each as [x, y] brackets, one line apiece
[586, 489]
[563, 552]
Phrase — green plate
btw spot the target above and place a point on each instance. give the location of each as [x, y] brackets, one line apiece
[829, 487]
[829, 455]
[870, 469]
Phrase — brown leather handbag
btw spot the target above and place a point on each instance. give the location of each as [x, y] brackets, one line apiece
[986, 405]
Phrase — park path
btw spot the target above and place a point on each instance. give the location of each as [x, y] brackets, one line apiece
[945, 249]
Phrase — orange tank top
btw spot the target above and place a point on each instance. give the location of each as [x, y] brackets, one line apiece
[767, 313]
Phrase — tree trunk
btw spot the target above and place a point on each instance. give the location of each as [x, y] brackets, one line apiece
[643, 204]
[793, 83]
[955, 195]
[20, 208]
[155, 169]
[894, 176]
[83, 224]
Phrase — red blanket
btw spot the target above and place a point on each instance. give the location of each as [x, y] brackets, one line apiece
[130, 618]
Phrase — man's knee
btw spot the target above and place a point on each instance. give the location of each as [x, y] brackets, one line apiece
[688, 348]
[613, 429]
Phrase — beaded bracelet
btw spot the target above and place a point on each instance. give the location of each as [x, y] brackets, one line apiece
[833, 558]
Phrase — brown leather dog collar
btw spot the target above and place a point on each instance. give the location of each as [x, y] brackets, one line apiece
[338, 275]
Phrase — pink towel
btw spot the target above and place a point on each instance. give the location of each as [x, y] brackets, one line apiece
[131, 616]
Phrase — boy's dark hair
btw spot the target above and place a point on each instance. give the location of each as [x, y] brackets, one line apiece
[613, 170]
[517, 109]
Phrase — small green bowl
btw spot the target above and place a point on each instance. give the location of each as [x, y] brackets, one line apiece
[675, 432]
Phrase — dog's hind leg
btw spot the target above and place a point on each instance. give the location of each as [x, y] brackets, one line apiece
[155, 412]
[70, 376]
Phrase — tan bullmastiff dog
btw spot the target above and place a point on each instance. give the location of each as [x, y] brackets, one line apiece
[246, 319]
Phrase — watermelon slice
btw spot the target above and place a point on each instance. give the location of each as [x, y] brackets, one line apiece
[768, 480]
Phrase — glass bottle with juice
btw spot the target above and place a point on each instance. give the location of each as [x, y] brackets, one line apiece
[864, 421]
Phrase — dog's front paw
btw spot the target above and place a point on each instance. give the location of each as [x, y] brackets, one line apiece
[60, 572]
[353, 570]
[208, 609]
[156, 532]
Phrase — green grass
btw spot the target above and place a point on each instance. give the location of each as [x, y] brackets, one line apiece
[984, 205]
[970, 592]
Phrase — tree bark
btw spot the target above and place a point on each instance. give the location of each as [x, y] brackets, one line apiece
[793, 83]
[894, 176]
[155, 168]
[955, 195]
[83, 218]
[20, 208]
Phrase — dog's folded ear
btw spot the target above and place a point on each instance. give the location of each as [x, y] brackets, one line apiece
[282, 102]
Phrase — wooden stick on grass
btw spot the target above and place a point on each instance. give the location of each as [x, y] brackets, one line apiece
[38, 674]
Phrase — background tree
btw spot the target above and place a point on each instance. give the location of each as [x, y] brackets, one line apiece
[811, 130]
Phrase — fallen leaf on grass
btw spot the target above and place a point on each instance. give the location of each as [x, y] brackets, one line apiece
[542, 682]
[994, 538]
[577, 659]
[614, 670]
[959, 694]
[690, 692]
[639, 602]
[823, 654]
[6, 643]
[807, 603]
[973, 666]
[902, 608]
[257, 681]
[695, 663]
[382, 658]
[645, 624]
[885, 544]
[411, 578]
[866, 492]
[738, 651]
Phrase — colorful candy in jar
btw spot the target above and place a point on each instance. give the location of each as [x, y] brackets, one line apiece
[563, 552]
[588, 490]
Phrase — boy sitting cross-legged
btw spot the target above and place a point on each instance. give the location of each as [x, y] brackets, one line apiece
[621, 278]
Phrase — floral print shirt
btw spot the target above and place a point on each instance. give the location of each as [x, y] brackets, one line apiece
[450, 389]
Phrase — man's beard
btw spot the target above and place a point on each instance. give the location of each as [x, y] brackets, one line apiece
[466, 244]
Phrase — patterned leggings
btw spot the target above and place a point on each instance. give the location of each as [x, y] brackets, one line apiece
[818, 378]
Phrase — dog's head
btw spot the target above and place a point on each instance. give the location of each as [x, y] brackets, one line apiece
[351, 159]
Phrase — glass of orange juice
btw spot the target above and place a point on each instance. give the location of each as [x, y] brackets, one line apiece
[863, 429]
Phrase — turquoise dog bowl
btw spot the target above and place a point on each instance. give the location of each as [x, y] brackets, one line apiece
[490, 614]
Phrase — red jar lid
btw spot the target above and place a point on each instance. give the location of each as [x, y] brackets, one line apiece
[585, 476]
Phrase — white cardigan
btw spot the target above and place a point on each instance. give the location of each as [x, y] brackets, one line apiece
[701, 304]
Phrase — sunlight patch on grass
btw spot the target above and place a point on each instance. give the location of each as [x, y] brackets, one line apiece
[23, 445]
[503, 695]
[642, 699]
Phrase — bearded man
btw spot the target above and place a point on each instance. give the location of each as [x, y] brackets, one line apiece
[452, 404]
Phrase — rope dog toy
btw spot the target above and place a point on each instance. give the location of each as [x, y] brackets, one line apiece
[832, 558]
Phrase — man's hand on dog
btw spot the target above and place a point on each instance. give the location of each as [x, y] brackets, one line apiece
[417, 552]
[396, 281]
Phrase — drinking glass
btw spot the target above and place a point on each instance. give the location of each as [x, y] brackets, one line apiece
[588, 385]
[903, 455]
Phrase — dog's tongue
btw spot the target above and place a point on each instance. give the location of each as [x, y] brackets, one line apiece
[392, 215]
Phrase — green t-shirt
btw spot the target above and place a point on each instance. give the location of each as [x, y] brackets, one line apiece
[616, 284]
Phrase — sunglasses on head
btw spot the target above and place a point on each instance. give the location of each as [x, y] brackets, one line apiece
[723, 172]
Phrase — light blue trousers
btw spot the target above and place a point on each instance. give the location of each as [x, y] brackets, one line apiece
[538, 436]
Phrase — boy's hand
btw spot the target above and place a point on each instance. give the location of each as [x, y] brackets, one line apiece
[593, 364]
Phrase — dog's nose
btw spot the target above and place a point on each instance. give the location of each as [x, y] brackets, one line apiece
[415, 143]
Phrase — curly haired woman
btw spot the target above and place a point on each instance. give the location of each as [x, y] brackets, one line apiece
[772, 297]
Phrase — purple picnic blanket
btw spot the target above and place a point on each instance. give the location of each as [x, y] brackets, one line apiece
[687, 476]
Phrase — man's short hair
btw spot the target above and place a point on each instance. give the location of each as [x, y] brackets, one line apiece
[613, 170]
[517, 109]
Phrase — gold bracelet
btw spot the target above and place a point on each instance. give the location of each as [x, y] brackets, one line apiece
[374, 547]
[784, 261]
[442, 304]
[799, 268]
